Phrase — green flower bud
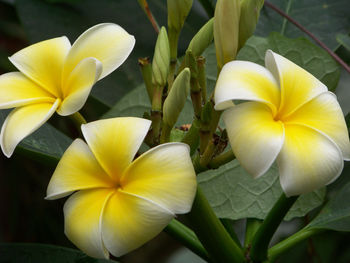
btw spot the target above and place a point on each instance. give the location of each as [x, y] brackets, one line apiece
[226, 30]
[161, 59]
[176, 99]
[202, 39]
[177, 13]
[250, 10]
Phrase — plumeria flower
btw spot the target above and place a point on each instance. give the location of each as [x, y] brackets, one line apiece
[55, 76]
[121, 203]
[290, 117]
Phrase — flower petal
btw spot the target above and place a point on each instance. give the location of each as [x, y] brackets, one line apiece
[17, 90]
[129, 222]
[82, 220]
[43, 63]
[23, 121]
[308, 160]
[297, 85]
[323, 113]
[78, 86]
[255, 137]
[115, 142]
[243, 80]
[165, 175]
[78, 169]
[109, 43]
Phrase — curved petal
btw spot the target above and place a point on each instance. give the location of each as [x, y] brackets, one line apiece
[129, 222]
[17, 90]
[243, 80]
[255, 137]
[308, 160]
[23, 121]
[165, 175]
[297, 85]
[78, 169]
[323, 113]
[78, 86]
[115, 142]
[109, 43]
[82, 220]
[43, 63]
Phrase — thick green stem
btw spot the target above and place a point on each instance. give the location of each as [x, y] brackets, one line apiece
[291, 241]
[252, 226]
[192, 136]
[228, 224]
[263, 236]
[222, 159]
[165, 135]
[186, 237]
[212, 233]
[156, 114]
[146, 71]
[78, 120]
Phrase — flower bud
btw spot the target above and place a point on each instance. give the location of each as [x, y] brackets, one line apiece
[226, 30]
[177, 13]
[176, 99]
[250, 10]
[202, 39]
[161, 59]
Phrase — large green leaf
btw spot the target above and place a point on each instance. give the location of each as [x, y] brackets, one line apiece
[43, 20]
[335, 215]
[325, 19]
[235, 194]
[301, 51]
[41, 253]
[46, 143]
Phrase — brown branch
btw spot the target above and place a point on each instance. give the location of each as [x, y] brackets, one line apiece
[149, 14]
[319, 42]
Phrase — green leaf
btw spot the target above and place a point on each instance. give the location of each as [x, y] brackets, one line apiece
[43, 20]
[301, 51]
[42, 253]
[47, 143]
[136, 102]
[335, 215]
[344, 40]
[325, 19]
[235, 194]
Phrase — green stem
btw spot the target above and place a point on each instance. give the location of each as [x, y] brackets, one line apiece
[252, 226]
[222, 159]
[165, 135]
[291, 241]
[212, 233]
[265, 232]
[78, 120]
[186, 237]
[228, 224]
[192, 136]
[146, 71]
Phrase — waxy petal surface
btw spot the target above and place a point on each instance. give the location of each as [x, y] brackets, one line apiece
[165, 175]
[78, 85]
[18, 90]
[323, 113]
[115, 142]
[130, 221]
[78, 169]
[308, 160]
[243, 80]
[23, 121]
[82, 220]
[109, 43]
[43, 63]
[255, 137]
[297, 85]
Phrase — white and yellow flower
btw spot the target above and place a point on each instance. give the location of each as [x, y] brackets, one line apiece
[121, 203]
[55, 76]
[290, 117]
